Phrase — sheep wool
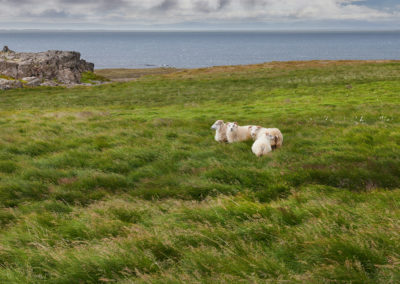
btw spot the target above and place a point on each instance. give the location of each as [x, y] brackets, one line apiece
[220, 131]
[236, 133]
[257, 131]
[262, 146]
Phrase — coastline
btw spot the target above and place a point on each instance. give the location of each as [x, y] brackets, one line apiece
[131, 74]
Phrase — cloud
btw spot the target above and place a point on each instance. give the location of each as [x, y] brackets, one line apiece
[48, 14]
[178, 11]
[166, 5]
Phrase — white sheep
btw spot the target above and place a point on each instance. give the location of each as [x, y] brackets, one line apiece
[220, 131]
[262, 145]
[257, 131]
[236, 133]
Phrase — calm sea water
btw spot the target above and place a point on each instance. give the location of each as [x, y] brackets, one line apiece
[202, 49]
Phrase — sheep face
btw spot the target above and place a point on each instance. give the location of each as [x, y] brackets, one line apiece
[232, 126]
[267, 136]
[254, 131]
[217, 125]
[270, 137]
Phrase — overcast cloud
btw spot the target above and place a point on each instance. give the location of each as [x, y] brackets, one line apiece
[159, 12]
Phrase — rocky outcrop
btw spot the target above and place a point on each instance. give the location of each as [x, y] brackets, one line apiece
[65, 67]
[9, 84]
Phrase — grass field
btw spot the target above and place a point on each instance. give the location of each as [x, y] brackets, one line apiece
[123, 75]
[124, 183]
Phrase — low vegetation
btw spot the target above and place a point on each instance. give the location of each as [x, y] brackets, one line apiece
[6, 77]
[122, 74]
[124, 183]
[90, 77]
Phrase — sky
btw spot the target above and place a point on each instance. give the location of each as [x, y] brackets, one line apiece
[200, 14]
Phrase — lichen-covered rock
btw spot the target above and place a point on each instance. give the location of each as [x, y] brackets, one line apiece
[31, 81]
[49, 83]
[9, 84]
[63, 66]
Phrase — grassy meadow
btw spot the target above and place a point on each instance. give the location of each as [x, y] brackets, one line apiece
[124, 183]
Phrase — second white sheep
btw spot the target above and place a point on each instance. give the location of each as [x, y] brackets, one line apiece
[236, 133]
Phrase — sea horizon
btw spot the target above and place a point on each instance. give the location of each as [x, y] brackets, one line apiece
[209, 30]
[207, 48]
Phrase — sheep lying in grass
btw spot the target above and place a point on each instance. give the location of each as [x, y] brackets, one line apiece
[236, 133]
[257, 131]
[262, 146]
[266, 139]
[220, 131]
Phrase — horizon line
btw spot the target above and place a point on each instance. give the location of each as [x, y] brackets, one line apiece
[207, 30]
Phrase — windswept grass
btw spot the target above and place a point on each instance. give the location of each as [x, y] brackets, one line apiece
[124, 182]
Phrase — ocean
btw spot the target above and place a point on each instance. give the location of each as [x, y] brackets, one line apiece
[182, 49]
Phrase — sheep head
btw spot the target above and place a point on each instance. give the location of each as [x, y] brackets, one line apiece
[254, 131]
[232, 126]
[271, 138]
[217, 125]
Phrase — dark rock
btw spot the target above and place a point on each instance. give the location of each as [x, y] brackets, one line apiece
[6, 49]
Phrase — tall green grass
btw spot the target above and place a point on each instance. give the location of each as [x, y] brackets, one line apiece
[124, 182]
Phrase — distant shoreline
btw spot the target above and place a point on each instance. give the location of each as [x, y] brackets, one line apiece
[129, 74]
